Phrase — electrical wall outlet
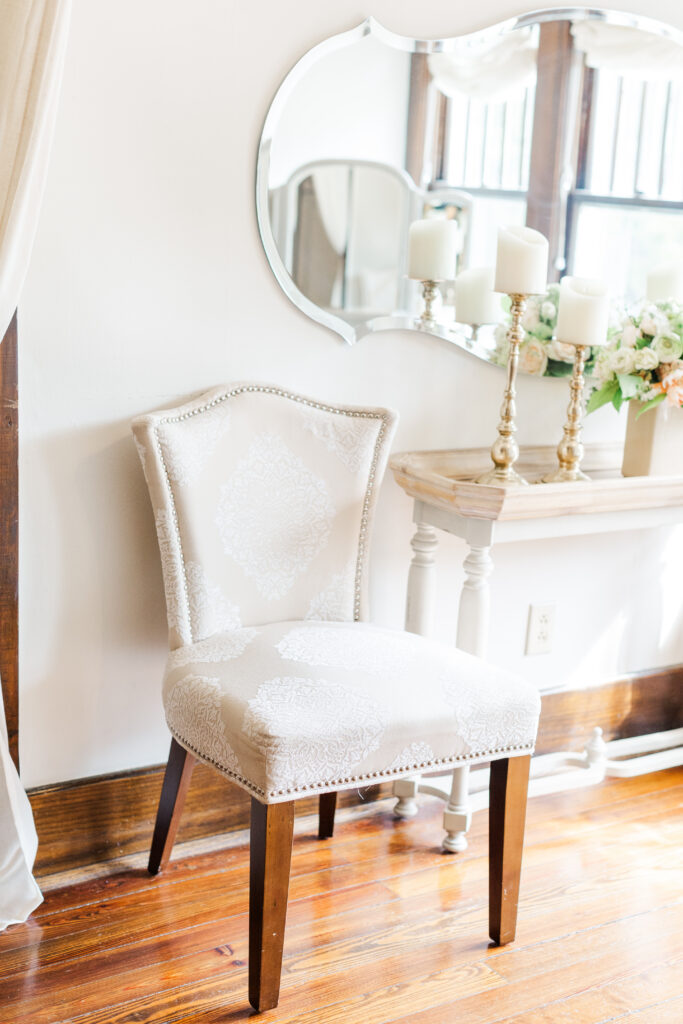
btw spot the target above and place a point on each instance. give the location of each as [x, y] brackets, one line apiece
[539, 634]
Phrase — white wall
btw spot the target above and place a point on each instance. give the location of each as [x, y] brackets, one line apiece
[148, 282]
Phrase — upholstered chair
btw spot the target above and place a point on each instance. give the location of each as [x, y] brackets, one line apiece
[263, 502]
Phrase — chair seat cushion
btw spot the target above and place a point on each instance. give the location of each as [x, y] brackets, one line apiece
[292, 708]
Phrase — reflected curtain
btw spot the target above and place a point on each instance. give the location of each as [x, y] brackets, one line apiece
[486, 71]
[628, 50]
[32, 46]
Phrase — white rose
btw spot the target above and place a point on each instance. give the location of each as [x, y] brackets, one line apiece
[562, 351]
[646, 359]
[533, 358]
[548, 311]
[623, 360]
[603, 366]
[630, 335]
[667, 347]
[654, 322]
[531, 319]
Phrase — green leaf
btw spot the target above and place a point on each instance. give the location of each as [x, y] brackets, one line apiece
[618, 400]
[628, 384]
[603, 395]
[650, 405]
[556, 368]
[643, 343]
[543, 332]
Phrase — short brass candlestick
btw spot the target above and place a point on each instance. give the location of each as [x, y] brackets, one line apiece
[570, 449]
[429, 289]
[505, 450]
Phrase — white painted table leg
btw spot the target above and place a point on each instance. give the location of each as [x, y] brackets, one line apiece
[421, 596]
[473, 627]
[457, 817]
[473, 613]
[420, 608]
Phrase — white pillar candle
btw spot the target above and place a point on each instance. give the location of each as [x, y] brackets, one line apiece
[433, 249]
[583, 312]
[475, 300]
[665, 282]
[521, 262]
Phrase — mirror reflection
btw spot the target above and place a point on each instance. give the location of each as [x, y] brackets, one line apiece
[566, 121]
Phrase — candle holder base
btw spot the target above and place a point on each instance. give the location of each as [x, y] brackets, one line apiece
[564, 476]
[429, 290]
[502, 477]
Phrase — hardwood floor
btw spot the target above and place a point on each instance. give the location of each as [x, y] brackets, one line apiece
[381, 926]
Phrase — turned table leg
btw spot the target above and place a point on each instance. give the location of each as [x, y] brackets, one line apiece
[420, 609]
[473, 626]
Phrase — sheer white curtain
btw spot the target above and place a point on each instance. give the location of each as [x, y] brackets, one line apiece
[628, 50]
[32, 46]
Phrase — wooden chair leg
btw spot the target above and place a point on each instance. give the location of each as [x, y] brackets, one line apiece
[272, 828]
[326, 807]
[173, 790]
[507, 811]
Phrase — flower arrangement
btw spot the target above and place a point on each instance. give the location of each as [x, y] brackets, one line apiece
[539, 355]
[643, 358]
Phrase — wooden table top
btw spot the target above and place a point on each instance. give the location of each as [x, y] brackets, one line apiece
[446, 478]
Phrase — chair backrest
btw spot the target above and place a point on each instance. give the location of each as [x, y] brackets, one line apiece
[263, 502]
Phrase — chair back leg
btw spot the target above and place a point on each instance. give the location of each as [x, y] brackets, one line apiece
[272, 827]
[176, 781]
[327, 805]
[508, 787]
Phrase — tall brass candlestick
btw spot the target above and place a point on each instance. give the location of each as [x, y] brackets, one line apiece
[505, 451]
[570, 449]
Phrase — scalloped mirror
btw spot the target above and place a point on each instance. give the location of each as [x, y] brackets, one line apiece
[570, 121]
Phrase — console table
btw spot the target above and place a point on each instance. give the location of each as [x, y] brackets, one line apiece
[446, 498]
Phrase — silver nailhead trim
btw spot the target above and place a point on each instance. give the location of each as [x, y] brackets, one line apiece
[515, 751]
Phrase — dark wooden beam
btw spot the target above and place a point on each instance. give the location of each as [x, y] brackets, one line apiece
[545, 207]
[418, 118]
[9, 535]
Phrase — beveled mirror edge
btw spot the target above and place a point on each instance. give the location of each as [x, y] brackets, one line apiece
[370, 26]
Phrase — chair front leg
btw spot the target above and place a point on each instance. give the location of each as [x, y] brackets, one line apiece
[272, 827]
[508, 787]
[176, 781]
[327, 805]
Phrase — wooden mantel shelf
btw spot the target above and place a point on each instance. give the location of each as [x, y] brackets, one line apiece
[446, 479]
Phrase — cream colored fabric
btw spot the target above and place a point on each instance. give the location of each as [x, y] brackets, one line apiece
[33, 36]
[32, 45]
[263, 503]
[19, 893]
[298, 707]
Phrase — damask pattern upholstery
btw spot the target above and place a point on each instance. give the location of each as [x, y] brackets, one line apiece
[293, 708]
[263, 502]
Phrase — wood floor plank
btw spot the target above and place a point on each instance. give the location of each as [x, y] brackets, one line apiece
[382, 927]
[668, 1012]
[623, 1000]
[366, 837]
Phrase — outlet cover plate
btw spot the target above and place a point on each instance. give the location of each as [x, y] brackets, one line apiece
[540, 628]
